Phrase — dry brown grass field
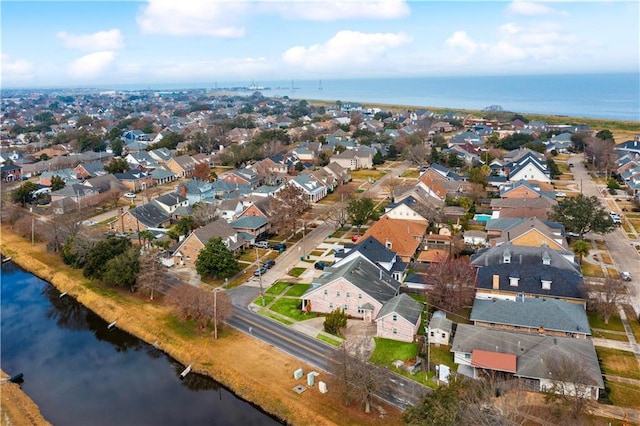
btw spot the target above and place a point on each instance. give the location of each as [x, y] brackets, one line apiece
[253, 370]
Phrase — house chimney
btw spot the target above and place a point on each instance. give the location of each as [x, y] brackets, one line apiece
[496, 282]
[183, 191]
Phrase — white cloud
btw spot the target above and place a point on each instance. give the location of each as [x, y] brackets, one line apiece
[15, 69]
[211, 18]
[333, 10]
[102, 40]
[346, 48]
[461, 40]
[525, 46]
[92, 65]
[531, 8]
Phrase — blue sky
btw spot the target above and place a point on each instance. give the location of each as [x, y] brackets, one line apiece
[83, 43]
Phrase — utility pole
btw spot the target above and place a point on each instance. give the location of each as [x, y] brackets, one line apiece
[215, 314]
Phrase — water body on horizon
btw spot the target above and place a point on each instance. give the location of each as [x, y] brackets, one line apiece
[606, 96]
[79, 372]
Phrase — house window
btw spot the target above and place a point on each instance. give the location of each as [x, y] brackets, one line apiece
[444, 335]
[395, 331]
[348, 294]
[360, 310]
[359, 295]
[395, 317]
[432, 334]
[326, 292]
[467, 356]
[338, 293]
[346, 307]
[330, 305]
[546, 285]
[513, 281]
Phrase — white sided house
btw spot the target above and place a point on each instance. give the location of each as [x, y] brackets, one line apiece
[399, 319]
[358, 287]
[440, 329]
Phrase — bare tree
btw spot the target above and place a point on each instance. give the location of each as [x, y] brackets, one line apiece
[453, 284]
[417, 154]
[601, 153]
[338, 214]
[607, 296]
[203, 213]
[58, 228]
[391, 185]
[571, 384]
[203, 306]
[287, 206]
[356, 379]
[152, 276]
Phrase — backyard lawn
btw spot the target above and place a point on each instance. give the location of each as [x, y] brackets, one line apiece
[388, 350]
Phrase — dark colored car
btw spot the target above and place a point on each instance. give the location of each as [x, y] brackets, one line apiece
[279, 246]
[260, 271]
[320, 265]
[269, 263]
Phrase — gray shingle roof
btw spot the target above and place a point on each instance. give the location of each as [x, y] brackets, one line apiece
[404, 306]
[534, 352]
[551, 314]
[367, 277]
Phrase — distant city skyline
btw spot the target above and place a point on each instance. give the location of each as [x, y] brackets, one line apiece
[92, 43]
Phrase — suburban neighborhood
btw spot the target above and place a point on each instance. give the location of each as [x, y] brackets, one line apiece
[491, 248]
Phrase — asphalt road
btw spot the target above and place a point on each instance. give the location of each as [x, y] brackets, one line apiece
[625, 257]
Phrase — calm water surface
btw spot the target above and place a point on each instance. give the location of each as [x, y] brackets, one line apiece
[80, 373]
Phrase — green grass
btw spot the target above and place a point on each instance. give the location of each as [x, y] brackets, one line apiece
[596, 321]
[267, 300]
[618, 363]
[328, 340]
[278, 287]
[360, 191]
[624, 394]
[289, 308]
[442, 355]
[388, 350]
[298, 290]
[267, 313]
[186, 329]
[296, 272]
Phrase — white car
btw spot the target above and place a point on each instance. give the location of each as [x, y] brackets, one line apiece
[626, 276]
[130, 195]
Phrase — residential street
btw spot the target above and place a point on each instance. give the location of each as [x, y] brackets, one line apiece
[625, 257]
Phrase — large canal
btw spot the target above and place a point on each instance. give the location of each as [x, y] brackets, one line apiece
[80, 373]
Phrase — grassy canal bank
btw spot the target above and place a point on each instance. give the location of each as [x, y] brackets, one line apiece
[251, 369]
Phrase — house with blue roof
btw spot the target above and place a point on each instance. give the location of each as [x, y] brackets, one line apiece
[377, 254]
[197, 191]
[313, 190]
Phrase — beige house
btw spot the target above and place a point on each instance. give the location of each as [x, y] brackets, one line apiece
[354, 159]
[187, 253]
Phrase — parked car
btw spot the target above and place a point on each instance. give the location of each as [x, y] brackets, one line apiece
[320, 265]
[269, 263]
[130, 195]
[260, 271]
[355, 238]
[626, 276]
[261, 244]
[278, 246]
[570, 165]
